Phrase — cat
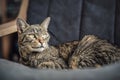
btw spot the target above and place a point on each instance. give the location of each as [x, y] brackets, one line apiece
[35, 51]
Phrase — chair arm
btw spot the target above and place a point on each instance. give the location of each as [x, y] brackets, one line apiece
[8, 28]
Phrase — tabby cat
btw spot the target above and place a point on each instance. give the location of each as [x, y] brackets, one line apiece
[35, 51]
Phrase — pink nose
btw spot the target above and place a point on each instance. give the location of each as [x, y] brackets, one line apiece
[40, 40]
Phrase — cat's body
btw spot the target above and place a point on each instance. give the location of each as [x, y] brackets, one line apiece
[55, 56]
[35, 51]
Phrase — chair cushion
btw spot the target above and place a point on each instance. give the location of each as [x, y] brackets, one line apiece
[14, 71]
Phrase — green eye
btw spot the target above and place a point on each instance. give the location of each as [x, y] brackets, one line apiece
[45, 37]
[31, 36]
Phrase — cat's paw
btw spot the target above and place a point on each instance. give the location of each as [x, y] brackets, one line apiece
[49, 65]
[73, 63]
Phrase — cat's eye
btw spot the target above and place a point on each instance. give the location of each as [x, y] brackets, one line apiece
[45, 36]
[30, 37]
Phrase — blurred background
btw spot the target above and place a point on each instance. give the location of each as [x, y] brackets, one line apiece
[9, 10]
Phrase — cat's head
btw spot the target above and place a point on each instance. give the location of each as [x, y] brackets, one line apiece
[34, 38]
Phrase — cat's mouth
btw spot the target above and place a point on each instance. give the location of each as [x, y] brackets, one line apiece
[38, 47]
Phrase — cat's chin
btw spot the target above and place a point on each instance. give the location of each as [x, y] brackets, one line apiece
[38, 49]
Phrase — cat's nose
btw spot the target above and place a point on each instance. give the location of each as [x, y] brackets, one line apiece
[41, 40]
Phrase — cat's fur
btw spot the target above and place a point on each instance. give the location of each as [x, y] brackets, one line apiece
[35, 51]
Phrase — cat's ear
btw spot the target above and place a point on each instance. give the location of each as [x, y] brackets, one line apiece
[45, 23]
[21, 25]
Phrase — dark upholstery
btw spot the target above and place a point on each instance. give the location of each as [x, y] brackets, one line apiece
[65, 18]
[117, 23]
[71, 20]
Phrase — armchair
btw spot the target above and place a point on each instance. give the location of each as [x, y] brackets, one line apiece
[71, 19]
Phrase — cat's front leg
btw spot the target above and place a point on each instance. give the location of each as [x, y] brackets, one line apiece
[52, 65]
[48, 65]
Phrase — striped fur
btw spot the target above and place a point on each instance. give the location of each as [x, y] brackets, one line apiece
[35, 51]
